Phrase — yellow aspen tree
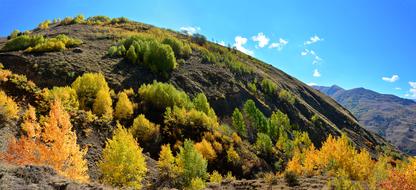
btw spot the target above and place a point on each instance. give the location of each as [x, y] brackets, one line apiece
[102, 106]
[124, 107]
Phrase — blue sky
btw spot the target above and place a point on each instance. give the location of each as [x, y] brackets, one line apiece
[351, 43]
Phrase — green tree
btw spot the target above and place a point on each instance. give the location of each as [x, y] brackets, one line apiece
[162, 95]
[124, 107]
[191, 162]
[160, 58]
[264, 144]
[238, 122]
[123, 164]
[279, 123]
[201, 104]
[131, 55]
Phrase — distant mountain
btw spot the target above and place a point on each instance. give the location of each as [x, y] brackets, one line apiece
[390, 116]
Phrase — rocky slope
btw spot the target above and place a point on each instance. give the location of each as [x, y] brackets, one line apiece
[390, 116]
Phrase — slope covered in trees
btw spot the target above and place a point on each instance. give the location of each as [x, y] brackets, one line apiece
[201, 110]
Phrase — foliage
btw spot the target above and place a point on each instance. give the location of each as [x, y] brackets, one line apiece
[291, 179]
[131, 55]
[181, 49]
[201, 103]
[143, 129]
[279, 125]
[102, 106]
[14, 34]
[44, 25]
[66, 95]
[252, 87]
[58, 43]
[22, 42]
[123, 164]
[403, 177]
[160, 58]
[87, 87]
[163, 95]
[55, 145]
[232, 156]
[192, 163]
[196, 184]
[199, 39]
[8, 107]
[98, 20]
[287, 96]
[215, 177]
[263, 144]
[342, 181]
[238, 122]
[256, 118]
[124, 107]
[79, 19]
[166, 164]
[268, 86]
[205, 148]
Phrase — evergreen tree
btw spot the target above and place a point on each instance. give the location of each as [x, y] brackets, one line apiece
[191, 162]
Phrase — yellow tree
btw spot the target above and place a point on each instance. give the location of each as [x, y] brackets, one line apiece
[123, 164]
[103, 104]
[124, 107]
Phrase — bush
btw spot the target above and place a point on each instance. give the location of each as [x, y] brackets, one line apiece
[8, 107]
[199, 39]
[160, 58]
[22, 42]
[168, 170]
[87, 87]
[181, 49]
[205, 148]
[291, 179]
[263, 144]
[123, 164]
[98, 20]
[66, 95]
[163, 95]
[102, 106]
[144, 130]
[201, 103]
[232, 156]
[14, 34]
[268, 86]
[287, 96]
[124, 107]
[238, 122]
[192, 163]
[196, 184]
[38, 43]
[215, 177]
[252, 87]
[44, 25]
[131, 55]
[79, 19]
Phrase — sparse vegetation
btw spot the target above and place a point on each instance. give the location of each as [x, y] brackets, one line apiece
[37, 43]
[287, 96]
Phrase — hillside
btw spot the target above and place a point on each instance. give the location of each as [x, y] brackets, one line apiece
[170, 91]
[390, 116]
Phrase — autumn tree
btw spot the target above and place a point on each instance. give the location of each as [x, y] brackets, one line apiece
[67, 96]
[123, 164]
[8, 107]
[124, 107]
[201, 104]
[166, 164]
[144, 130]
[205, 148]
[55, 145]
[87, 87]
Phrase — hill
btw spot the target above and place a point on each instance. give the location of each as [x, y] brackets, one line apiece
[75, 69]
[390, 116]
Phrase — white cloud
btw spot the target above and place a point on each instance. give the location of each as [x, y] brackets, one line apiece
[280, 44]
[190, 30]
[316, 73]
[239, 42]
[312, 84]
[313, 40]
[398, 88]
[261, 39]
[393, 78]
[316, 58]
[412, 91]
[221, 43]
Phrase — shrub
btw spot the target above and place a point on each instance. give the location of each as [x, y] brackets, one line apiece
[205, 148]
[131, 54]
[79, 19]
[143, 129]
[199, 39]
[123, 164]
[166, 164]
[192, 163]
[201, 103]
[291, 179]
[55, 145]
[252, 87]
[98, 20]
[270, 178]
[66, 95]
[181, 49]
[263, 144]
[102, 106]
[44, 25]
[342, 181]
[229, 176]
[196, 184]
[163, 95]
[22, 42]
[287, 96]
[8, 107]
[232, 156]
[215, 177]
[124, 107]
[160, 58]
[268, 86]
[14, 34]
[238, 122]
[66, 21]
[87, 87]
[38, 43]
